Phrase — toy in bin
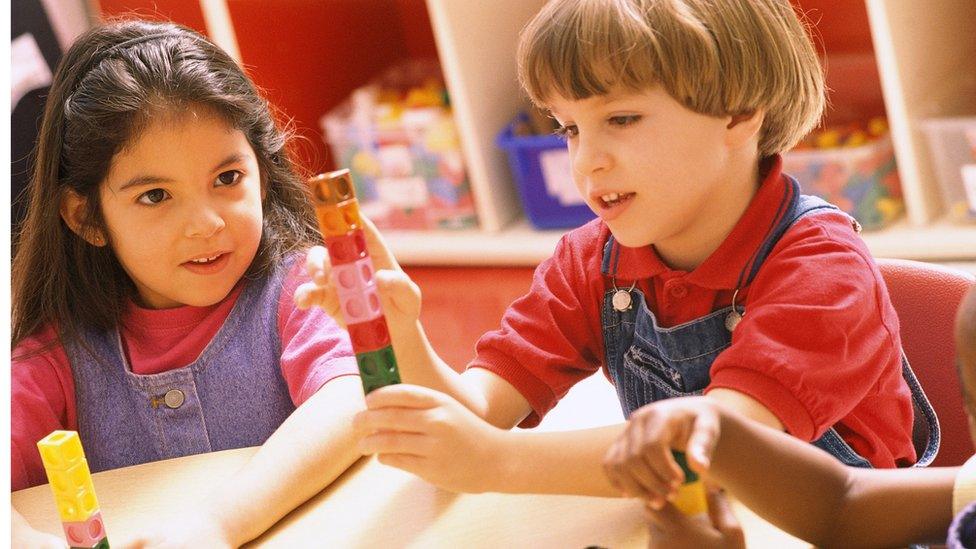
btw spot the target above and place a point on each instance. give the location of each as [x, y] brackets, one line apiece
[398, 138]
[71, 483]
[352, 275]
[852, 167]
[543, 176]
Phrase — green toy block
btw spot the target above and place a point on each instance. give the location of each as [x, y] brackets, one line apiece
[378, 369]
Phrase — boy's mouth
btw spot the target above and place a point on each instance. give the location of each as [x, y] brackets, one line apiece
[614, 199]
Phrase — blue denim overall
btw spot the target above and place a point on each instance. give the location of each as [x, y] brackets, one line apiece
[233, 395]
[649, 363]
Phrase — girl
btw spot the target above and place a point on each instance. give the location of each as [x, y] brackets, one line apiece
[152, 286]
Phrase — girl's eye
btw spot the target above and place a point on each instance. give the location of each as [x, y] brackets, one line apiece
[152, 197]
[566, 132]
[624, 120]
[228, 178]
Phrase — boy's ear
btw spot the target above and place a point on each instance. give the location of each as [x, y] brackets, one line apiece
[743, 127]
[72, 210]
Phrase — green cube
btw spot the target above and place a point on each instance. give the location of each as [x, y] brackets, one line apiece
[378, 369]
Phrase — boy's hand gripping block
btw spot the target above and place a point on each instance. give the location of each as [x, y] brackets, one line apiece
[337, 211]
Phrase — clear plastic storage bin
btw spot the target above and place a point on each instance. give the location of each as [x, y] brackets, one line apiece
[862, 181]
[397, 137]
[952, 148]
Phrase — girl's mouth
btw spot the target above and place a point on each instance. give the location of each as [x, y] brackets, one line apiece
[207, 265]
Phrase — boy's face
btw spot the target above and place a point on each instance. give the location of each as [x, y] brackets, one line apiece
[182, 203]
[655, 171]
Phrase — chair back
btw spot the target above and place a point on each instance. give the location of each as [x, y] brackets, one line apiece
[926, 297]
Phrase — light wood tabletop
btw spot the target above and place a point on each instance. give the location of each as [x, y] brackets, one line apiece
[372, 505]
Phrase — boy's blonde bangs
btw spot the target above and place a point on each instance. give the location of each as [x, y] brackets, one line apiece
[715, 57]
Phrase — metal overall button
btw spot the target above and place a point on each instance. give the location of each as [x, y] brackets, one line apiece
[621, 300]
[174, 398]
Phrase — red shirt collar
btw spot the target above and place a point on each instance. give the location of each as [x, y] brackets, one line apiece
[721, 269]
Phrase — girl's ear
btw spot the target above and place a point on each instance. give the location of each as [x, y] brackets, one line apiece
[743, 127]
[73, 208]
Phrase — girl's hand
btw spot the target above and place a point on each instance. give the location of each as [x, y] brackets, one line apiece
[399, 296]
[640, 462]
[431, 435]
[674, 530]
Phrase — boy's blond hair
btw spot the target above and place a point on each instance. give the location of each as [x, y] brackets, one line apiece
[715, 57]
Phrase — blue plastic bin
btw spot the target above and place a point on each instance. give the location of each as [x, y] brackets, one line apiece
[544, 210]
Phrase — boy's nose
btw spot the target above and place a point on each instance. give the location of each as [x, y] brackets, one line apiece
[589, 158]
[204, 222]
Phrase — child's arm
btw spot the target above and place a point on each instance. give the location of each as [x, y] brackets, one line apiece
[795, 486]
[307, 452]
[430, 434]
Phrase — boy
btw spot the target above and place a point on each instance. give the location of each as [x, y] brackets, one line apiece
[776, 476]
[705, 271]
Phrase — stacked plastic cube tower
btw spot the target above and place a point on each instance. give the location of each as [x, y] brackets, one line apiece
[71, 482]
[337, 210]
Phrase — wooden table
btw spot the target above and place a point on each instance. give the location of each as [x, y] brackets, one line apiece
[372, 505]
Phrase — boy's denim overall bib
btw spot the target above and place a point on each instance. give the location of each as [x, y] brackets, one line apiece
[231, 396]
[650, 363]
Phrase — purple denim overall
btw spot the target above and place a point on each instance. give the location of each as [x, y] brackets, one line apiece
[232, 396]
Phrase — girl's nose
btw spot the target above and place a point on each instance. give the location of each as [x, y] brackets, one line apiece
[204, 222]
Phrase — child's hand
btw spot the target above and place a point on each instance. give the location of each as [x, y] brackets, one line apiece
[674, 530]
[431, 435]
[640, 462]
[399, 296]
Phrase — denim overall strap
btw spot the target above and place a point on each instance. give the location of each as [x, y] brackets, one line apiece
[649, 363]
[231, 396]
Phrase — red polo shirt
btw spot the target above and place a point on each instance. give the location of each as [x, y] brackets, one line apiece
[818, 345]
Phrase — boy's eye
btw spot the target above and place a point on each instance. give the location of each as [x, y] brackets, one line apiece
[154, 196]
[625, 120]
[566, 132]
[229, 177]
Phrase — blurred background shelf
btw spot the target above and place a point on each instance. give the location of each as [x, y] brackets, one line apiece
[521, 245]
[308, 55]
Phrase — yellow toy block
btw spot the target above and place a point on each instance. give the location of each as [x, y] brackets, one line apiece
[691, 499]
[67, 471]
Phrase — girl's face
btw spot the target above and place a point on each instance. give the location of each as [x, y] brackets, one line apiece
[182, 203]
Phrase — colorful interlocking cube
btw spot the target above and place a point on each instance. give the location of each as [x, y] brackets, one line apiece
[337, 211]
[691, 498]
[71, 483]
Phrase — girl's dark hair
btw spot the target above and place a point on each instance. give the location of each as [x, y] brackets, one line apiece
[107, 88]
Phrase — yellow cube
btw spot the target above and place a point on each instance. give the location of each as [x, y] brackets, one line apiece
[67, 471]
[60, 449]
